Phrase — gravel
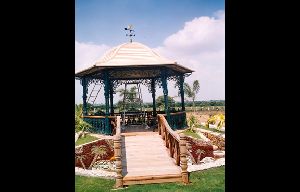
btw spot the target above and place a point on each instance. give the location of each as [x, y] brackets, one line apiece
[95, 173]
[216, 163]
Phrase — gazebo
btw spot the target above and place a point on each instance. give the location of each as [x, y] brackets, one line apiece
[127, 63]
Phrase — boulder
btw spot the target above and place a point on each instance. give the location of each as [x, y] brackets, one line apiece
[207, 160]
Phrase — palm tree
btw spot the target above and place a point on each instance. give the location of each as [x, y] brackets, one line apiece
[191, 91]
[80, 158]
[97, 151]
[199, 152]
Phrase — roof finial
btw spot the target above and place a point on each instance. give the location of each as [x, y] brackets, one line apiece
[130, 29]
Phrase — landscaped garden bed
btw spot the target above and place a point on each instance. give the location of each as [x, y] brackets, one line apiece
[219, 141]
[91, 153]
[198, 149]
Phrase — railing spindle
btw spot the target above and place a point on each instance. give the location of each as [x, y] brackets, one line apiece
[118, 154]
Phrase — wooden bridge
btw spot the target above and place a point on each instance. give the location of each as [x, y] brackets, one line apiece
[150, 157]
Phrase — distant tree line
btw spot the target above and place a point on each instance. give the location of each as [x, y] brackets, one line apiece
[159, 103]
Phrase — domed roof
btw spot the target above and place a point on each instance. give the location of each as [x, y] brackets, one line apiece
[132, 54]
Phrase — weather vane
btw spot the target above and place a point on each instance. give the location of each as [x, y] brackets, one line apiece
[131, 32]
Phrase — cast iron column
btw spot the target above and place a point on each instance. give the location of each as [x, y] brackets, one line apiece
[106, 95]
[153, 96]
[84, 96]
[111, 96]
[181, 81]
[165, 91]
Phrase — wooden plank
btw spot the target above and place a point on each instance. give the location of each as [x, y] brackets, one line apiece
[153, 165]
[153, 177]
[138, 181]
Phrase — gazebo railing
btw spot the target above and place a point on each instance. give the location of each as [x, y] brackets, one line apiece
[98, 124]
[177, 120]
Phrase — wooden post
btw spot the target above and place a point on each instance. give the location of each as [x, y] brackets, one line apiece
[183, 159]
[117, 148]
[118, 127]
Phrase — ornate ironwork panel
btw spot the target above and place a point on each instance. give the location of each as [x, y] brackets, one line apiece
[98, 125]
[177, 120]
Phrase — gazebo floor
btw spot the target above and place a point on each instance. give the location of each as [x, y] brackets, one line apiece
[136, 128]
[145, 159]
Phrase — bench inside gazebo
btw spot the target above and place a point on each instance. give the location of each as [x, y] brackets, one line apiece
[134, 62]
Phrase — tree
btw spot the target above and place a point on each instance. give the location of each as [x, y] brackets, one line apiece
[219, 119]
[192, 91]
[132, 102]
[160, 102]
[97, 151]
[192, 121]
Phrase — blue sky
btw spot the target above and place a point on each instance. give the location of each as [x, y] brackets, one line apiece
[103, 21]
[167, 26]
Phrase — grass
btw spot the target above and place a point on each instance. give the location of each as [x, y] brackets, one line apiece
[207, 180]
[192, 134]
[210, 129]
[86, 139]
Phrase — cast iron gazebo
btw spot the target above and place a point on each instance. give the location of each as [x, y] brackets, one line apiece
[127, 63]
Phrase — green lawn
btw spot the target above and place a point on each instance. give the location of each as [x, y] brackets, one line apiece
[192, 134]
[86, 139]
[213, 130]
[212, 180]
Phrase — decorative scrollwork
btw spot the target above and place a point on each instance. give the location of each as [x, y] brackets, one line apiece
[137, 74]
[94, 81]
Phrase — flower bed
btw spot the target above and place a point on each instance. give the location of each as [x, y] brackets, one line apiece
[199, 149]
[83, 153]
[219, 141]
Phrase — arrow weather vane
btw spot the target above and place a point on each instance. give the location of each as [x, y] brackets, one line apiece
[131, 32]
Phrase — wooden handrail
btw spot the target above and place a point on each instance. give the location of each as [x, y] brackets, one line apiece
[98, 117]
[176, 113]
[118, 153]
[176, 144]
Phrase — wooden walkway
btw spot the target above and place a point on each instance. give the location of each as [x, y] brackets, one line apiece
[145, 159]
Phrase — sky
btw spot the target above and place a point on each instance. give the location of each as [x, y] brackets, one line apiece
[191, 32]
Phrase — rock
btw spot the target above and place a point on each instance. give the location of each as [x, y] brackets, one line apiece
[215, 147]
[207, 160]
[216, 163]
[219, 154]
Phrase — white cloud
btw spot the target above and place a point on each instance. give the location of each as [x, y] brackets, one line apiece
[200, 46]
[86, 54]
